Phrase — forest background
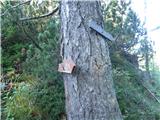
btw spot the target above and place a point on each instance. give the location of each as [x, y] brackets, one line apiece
[32, 88]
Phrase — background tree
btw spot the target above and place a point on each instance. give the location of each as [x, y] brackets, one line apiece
[146, 52]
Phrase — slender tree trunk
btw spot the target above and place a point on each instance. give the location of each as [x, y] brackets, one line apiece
[89, 89]
[147, 60]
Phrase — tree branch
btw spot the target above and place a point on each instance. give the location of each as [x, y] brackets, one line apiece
[42, 16]
[155, 28]
[152, 94]
[15, 7]
[35, 43]
[29, 37]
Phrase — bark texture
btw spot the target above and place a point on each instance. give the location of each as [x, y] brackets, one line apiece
[89, 89]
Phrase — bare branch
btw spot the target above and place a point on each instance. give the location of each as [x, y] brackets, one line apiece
[152, 94]
[155, 28]
[15, 7]
[42, 16]
[29, 37]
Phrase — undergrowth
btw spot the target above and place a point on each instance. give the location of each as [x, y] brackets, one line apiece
[135, 101]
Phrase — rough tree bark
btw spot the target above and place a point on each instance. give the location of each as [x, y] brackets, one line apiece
[89, 89]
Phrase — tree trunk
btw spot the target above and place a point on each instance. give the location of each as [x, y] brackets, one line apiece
[89, 89]
[147, 59]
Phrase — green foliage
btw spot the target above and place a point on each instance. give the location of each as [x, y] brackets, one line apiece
[12, 39]
[40, 98]
[38, 93]
[11, 54]
[49, 99]
[132, 29]
[49, 92]
[134, 100]
[18, 103]
[31, 99]
[123, 23]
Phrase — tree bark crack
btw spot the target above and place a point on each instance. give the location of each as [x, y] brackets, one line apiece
[82, 21]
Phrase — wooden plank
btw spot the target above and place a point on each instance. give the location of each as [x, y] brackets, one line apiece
[66, 66]
[92, 24]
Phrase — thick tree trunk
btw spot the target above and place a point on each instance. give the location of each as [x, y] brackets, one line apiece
[89, 89]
